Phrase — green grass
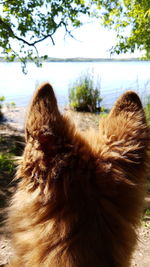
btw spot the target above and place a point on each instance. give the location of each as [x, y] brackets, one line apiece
[146, 219]
[6, 163]
[11, 146]
[103, 115]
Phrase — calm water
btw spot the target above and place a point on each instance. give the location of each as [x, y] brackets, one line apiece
[114, 77]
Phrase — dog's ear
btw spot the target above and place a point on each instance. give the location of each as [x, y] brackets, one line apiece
[124, 141]
[127, 103]
[43, 119]
[124, 132]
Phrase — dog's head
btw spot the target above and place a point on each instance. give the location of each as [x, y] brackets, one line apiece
[80, 193]
[56, 151]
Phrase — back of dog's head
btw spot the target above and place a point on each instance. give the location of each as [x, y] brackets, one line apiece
[80, 195]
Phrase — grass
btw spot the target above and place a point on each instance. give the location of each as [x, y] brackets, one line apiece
[11, 145]
[146, 219]
[6, 163]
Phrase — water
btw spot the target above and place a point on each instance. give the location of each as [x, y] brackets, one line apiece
[115, 78]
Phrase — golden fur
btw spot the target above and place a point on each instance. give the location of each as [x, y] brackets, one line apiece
[79, 197]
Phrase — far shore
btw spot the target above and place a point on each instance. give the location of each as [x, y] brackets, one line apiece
[79, 59]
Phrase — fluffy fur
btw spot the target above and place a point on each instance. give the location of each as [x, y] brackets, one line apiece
[79, 197]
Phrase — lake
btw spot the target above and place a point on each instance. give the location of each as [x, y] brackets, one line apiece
[114, 77]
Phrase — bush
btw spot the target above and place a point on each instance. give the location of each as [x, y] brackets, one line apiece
[84, 95]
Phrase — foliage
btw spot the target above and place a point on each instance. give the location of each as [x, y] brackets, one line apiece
[24, 24]
[131, 20]
[84, 95]
[33, 21]
[2, 98]
[146, 218]
[6, 163]
[147, 212]
[11, 146]
[147, 110]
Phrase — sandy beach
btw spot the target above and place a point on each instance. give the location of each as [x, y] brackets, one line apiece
[15, 117]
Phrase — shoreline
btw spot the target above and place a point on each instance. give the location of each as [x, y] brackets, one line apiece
[15, 117]
[80, 59]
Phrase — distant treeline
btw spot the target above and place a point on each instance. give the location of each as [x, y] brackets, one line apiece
[78, 59]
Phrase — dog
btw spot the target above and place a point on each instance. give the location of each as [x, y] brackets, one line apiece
[80, 195]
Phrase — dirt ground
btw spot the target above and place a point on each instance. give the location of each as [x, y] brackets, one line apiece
[14, 136]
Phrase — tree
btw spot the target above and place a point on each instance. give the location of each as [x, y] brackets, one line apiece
[30, 22]
[131, 20]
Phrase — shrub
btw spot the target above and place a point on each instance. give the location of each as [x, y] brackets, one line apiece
[84, 95]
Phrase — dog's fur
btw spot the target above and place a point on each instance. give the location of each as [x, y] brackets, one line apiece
[79, 197]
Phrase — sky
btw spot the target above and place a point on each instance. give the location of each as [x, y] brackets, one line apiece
[91, 40]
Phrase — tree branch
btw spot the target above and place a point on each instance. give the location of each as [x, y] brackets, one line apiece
[13, 35]
[35, 42]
